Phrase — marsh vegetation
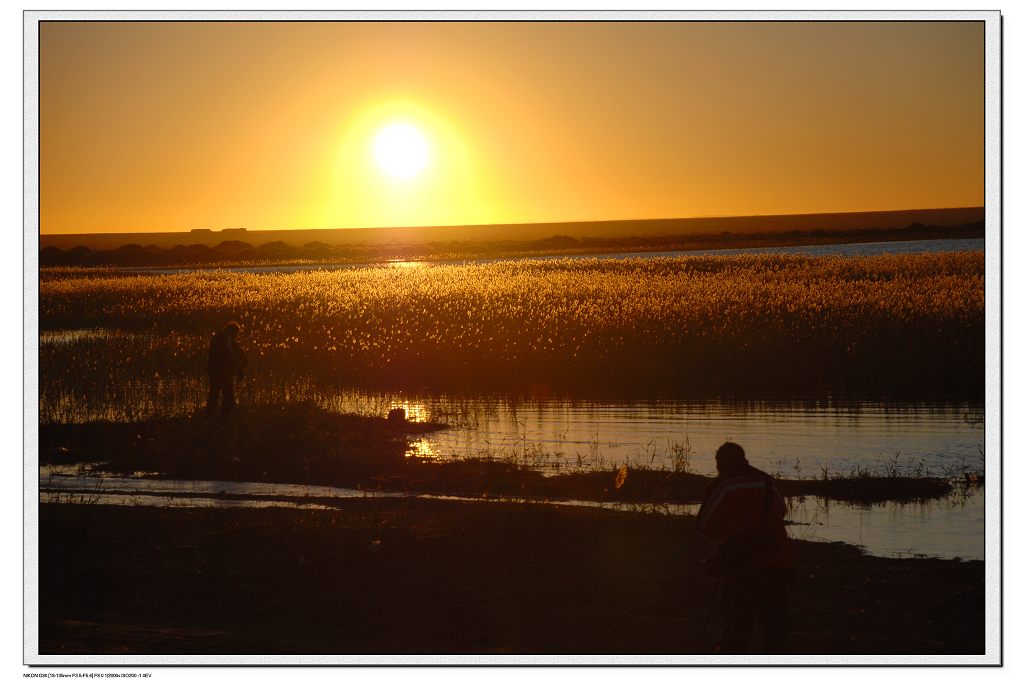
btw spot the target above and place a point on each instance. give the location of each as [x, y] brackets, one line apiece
[778, 325]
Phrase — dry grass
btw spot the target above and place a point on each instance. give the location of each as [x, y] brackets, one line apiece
[895, 325]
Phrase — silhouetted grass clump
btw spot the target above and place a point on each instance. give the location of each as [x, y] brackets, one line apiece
[297, 443]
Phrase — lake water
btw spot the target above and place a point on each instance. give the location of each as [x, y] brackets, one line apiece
[840, 249]
[791, 438]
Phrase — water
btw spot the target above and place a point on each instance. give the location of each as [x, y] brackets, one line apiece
[791, 438]
[845, 249]
[840, 249]
[946, 528]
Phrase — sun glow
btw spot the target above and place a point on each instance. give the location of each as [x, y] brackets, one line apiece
[401, 150]
[400, 163]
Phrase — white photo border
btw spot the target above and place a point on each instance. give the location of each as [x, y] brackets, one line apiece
[993, 336]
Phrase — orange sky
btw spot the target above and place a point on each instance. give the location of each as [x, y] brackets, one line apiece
[174, 126]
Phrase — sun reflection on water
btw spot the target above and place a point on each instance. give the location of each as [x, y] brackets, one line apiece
[421, 448]
[407, 264]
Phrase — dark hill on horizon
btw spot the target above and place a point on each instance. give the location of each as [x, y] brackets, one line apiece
[614, 229]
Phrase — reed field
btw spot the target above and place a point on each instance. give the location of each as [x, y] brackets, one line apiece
[124, 345]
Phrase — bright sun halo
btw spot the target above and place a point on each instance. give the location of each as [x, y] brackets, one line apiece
[401, 150]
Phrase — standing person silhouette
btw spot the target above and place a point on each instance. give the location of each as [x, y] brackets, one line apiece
[226, 363]
[745, 514]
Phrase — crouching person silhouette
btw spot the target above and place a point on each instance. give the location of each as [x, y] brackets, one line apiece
[744, 514]
[226, 363]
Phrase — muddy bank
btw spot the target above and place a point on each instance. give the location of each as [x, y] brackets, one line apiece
[405, 577]
[303, 444]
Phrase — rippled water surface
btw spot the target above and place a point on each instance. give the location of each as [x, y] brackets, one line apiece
[791, 438]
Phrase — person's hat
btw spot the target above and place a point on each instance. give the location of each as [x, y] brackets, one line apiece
[730, 456]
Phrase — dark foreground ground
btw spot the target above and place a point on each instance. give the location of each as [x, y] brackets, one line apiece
[430, 577]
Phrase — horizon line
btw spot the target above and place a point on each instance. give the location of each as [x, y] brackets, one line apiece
[500, 224]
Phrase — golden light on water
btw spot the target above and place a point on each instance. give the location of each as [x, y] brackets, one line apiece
[414, 412]
[421, 448]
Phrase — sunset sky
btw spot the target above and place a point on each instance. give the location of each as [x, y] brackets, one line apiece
[174, 126]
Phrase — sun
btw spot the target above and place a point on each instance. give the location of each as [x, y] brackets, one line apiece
[401, 150]
[401, 163]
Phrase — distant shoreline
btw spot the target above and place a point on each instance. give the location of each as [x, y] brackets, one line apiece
[688, 226]
[250, 251]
